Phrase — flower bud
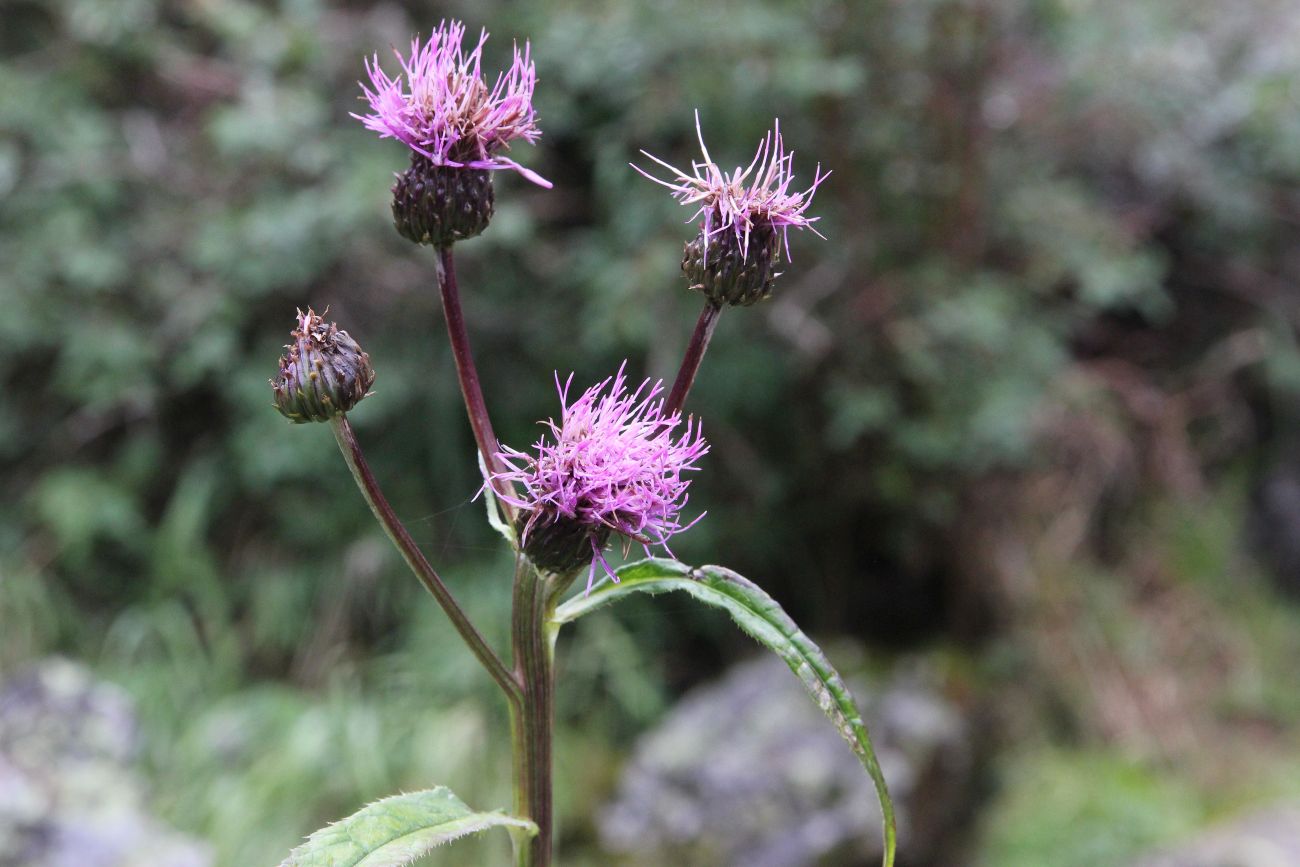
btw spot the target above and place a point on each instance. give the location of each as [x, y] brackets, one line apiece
[323, 372]
[437, 205]
[728, 271]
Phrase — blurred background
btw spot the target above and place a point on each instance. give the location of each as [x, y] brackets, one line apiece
[1017, 443]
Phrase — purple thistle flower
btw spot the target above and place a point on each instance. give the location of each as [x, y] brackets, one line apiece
[613, 464]
[754, 198]
[440, 106]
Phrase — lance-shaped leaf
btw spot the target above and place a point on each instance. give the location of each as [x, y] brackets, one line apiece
[395, 831]
[762, 618]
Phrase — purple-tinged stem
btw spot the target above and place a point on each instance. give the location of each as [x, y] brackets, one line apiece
[415, 559]
[694, 355]
[467, 373]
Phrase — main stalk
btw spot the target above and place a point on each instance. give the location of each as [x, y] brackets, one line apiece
[533, 720]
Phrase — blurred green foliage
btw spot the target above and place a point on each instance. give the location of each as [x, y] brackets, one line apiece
[1187, 679]
[1081, 809]
[1020, 189]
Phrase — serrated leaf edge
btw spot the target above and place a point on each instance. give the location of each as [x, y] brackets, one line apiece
[479, 821]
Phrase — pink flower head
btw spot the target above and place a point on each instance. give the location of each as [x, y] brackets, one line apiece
[441, 107]
[613, 463]
[747, 198]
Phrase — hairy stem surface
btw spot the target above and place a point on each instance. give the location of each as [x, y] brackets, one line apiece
[694, 355]
[533, 722]
[467, 374]
[415, 559]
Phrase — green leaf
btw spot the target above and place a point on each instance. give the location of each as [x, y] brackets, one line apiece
[494, 516]
[762, 618]
[397, 830]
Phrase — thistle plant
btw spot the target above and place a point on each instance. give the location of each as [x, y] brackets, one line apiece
[613, 468]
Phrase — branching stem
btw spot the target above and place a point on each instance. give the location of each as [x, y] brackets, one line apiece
[414, 558]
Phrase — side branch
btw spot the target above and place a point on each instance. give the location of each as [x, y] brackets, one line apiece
[467, 374]
[694, 355]
[410, 552]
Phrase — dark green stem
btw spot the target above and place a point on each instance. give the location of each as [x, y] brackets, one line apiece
[533, 722]
[415, 559]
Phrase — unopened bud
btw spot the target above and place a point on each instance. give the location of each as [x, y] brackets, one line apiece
[438, 205]
[323, 372]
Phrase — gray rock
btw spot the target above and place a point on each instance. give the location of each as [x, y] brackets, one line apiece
[69, 796]
[748, 771]
[1269, 838]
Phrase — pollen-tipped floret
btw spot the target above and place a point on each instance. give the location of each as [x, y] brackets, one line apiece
[745, 218]
[323, 372]
[613, 464]
[440, 106]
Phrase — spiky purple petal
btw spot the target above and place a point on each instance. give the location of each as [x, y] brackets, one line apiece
[757, 195]
[440, 106]
[614, 461]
